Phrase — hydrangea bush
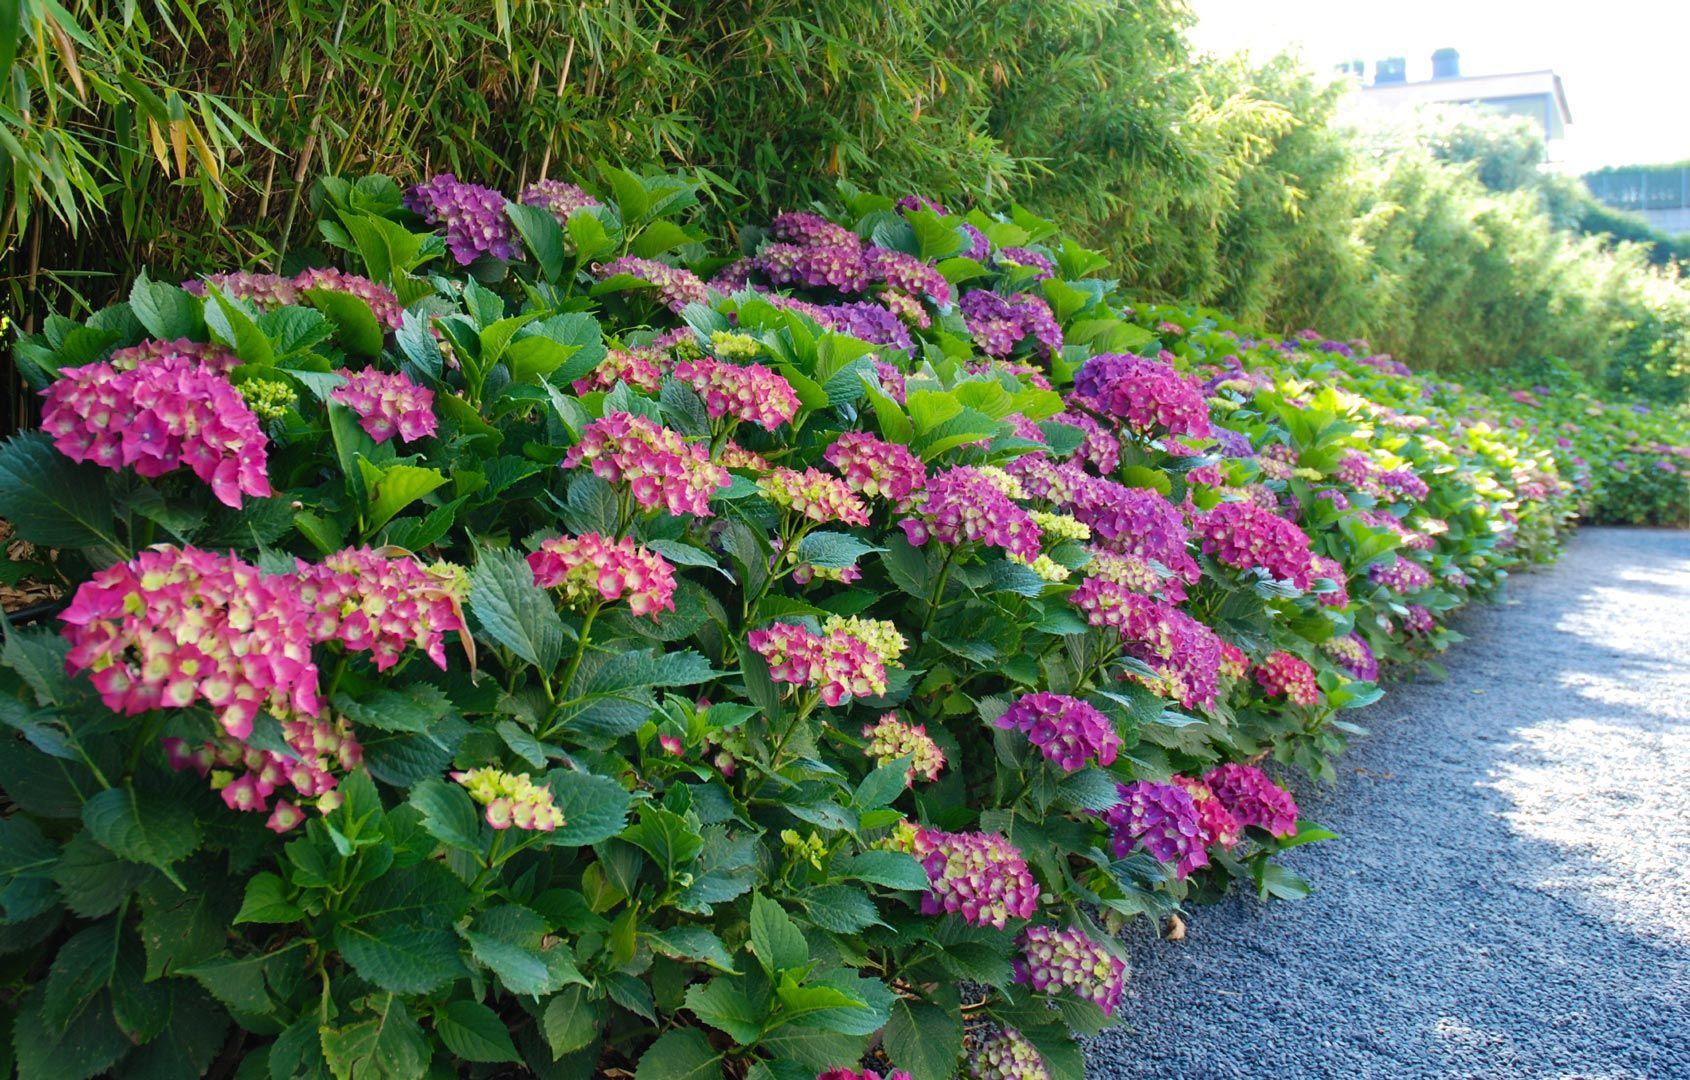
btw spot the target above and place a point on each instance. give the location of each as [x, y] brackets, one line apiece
[546, 641]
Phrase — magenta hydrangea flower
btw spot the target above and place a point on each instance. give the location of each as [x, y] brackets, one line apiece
[837, 663]
[1332, 570]
[1137, 522]
[966, 504]
[1161, 817]
[890, 738]
[813, 494]
[1245, 536]
[877, 468]
[1068, 731]
[1252, 798]
[843, 1073]
[1027, 257]
[558, 198]
[1402, 577]
[1356, 470]
[1403, 484]
[863, 320]
[980, 876]
[318, 750]
[1354, 655]
[590, 569]
[1215, 823]
[1148, 396]
[1185, 653]
[369, 602]
[751, 393]
[1384, 519]
[474, 217]
[804, 227]
[1005, 1055]
[999, 323]
[511, 799]
[1055, 961]
[909, 275]
[659, 467]
[640, 368]
[676, 288]
[1234, 661]
[815, 265]
[205, 354]
[267, 291]
[387, 404]
[921, 202]
[1419, 619]
[384, 302]
[1283, 673]
[178, 625]
[159, 415]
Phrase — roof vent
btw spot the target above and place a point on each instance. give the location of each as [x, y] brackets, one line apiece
[1392, 69]
[1446, 64]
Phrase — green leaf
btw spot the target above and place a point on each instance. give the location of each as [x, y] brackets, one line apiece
[679, 1054]
[723, 1004]
[923, 1039]
[474, 1032]
[406, 959]
[142, 828]
[394, 487]
[229, 322]
[448, 814]
[243, 984]
[388, 1045]
[594, 808]
[508, 941]
[543, 235]
[833, 550]
[189, 1043]
[843, 909]
[892, 869]
[52, 501]
[666, 837]
[29, 864]
[775, 939]
[883, 785]
[355, 325]
[572, 1020]
[183, 928]
[513, 611]
[91, 1044]
[266, 902]
[415, 708]
[167, 311]
[1275, 880]
[38, 654]
[908, 567]
[83, 967]
[692, 943]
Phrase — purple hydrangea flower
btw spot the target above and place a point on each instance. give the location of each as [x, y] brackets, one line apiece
[1069, 732]
[1053, 961]
[474, 217]
[1161, 817]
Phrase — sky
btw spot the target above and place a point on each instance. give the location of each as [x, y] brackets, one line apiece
[1621, 62]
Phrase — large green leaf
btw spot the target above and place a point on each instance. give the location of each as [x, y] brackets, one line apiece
[923, 1039]
[142, 827]
[513, 611]
[724, 1004]
[406, 959]
[775, 939]
[52, 501]
[355, 325]
[680, 1054]
[474, 1032]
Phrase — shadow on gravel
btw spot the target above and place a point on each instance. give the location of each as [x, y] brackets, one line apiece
[1511, 895]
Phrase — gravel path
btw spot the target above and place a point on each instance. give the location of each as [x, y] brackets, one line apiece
[1511, 896]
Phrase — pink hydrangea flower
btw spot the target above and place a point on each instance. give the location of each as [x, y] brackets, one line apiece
[1234, 662]
[1215, 823]
[843, 1073]
[659, 467]
[964, 504]
[838, 663]
[1005, 1055]
[1163, 818]
[1137, 522]
[1283, 673]
[205, 354]
[676, 288]
[876, 468]
[156, 417]
[909, 275]
[1332, 570]
[511, 799]
[558, 198]
[1068, 731]
[1055, 961]
[814, 495]
[589, 569]
[474, 217]
[384, 303]
[999, 323]
[387, 404]
[1253, 799]
[1185, 653]
[1402, 577]
[267, 291]
[980, 876]
[1354, 655]
[1148, 396]
[1246, 536]
[318, 750]
[752, 392]
[890, 739]
[370, 602]
[641, 369]
[177, 625]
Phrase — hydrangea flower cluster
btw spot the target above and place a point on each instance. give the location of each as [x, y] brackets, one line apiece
[676, 288]
[1403, 484]
[1354, 655]
[731, 455]
[1401, 577]
[1137, 522]
[1068, 731]
[1027, 257]
[1283, 673]
[890, 739]
[267, 291]
[843, 1073]
[880, 635]
[1419, 619]
[1061, 526]
[908, 275]
[179, 625]
[387, 404]
[156, 417]
[370, 602]
[320, 747]
[1005, 1055]
[659, 467]
[837, 663]
[1053, 961]
[590, 569]
[876, 468]
[863, 320]
[813, 494]
[1215, 823]
[752, 393]
[1252, 798]
[474, 217]
[1186, 653]
[384, 303]
[1162, 817]
[1055, 482]
[1100, 448]
[964, 503]
[999, 323]
[511, 799]
[1148, 396]
[816, 265]
[1332, 570]
[558, 198]
[1356, 470]
[202, 353]
[640, 368]
[1245, 536]
[980, 876]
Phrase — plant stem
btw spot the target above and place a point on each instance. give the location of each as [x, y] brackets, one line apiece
[933, 605]
[580, 649]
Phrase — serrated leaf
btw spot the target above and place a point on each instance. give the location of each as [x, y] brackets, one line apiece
[513, 611]
[843, 909]
[474, 1032]
[404, 959]
[355, 325]
[891, 869]
[142, 828]
[833, 550]
[692, 943]
[266, 902]
[923, 1039]
[571, 1021]
[724, 1004]
[52, 501]
[679, 1054]
[594, 808]
[414, 708]
[448, 814]
[91, 1045]
[388, 1045]
[775, 939]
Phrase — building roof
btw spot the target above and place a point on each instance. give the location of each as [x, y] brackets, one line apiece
[1472, 88]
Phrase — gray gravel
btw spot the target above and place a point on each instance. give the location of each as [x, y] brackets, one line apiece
[1511, 896]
